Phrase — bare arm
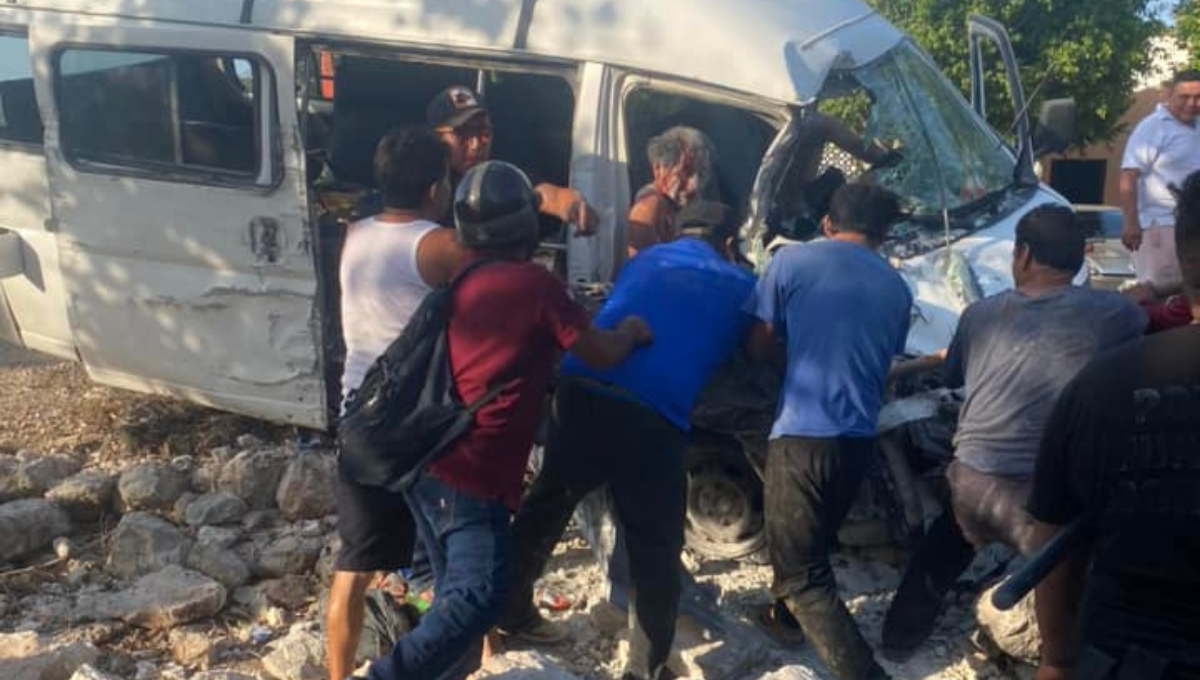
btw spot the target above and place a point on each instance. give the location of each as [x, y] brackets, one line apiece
[602, 350]
[568, 205]
[916, 365]
[1059, 596]
[645, 216]
[439, 256]
[1131, 230]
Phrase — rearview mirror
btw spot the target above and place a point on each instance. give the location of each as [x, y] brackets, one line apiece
[1055, 127]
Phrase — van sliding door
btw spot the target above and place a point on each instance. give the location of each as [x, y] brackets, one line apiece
[178, 196]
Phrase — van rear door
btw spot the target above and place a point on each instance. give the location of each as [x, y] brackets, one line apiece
[177, 187]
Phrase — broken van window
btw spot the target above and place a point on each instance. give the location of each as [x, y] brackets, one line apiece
[20, 121]
[196, 112]
[741, 138]
[947, 158]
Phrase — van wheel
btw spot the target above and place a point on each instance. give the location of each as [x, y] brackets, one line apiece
[724, 503]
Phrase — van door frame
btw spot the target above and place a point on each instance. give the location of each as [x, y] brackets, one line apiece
[769, 168]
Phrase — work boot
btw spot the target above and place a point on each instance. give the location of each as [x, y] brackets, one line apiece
[934, 568]
[834, 636]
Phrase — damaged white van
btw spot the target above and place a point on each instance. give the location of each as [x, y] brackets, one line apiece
[177, 174]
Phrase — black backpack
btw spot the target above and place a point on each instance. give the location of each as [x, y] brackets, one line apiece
[407, 411]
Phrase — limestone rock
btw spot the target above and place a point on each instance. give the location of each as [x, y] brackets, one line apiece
[223, 675]
[179, 510]
[10, 489]
[196, 646]
[290, 592]
[20, 645]
[204, 478]
[26, 656]
[260, 520]
[793, 672]
[88, 672]
[162, 600]
[36, 474]
[327, 560]
[306, 490]
[300, 655]
[287, 554]
[254, 476]
[218, 563]
[223, 537]
[217, 508]
[143, 543]
[1014, 632]
[151, 486]
[29, 525]
[526, 665]
[729, 654]
[86, 496]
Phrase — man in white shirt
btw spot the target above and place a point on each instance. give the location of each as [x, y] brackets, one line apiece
[1163, 149]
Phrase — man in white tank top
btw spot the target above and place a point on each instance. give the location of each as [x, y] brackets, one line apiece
[388, 264]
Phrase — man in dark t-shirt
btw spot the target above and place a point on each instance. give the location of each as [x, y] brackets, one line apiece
[1122, 449]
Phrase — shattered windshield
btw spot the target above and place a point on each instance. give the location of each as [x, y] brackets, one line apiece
[897, 122]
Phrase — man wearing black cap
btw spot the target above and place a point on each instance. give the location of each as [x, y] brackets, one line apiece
[627, 427]
[460, 117]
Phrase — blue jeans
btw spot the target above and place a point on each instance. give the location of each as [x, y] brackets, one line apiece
[467, 542]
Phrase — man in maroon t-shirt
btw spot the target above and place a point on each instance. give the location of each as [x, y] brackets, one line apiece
[510, 318]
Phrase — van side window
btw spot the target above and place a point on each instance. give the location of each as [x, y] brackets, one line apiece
[193, 113]
[741, 138]
[20, 121]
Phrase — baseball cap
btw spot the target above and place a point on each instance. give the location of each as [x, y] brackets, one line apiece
[454, 106]
[706, 219]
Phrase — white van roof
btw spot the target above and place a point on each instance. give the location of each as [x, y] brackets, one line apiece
[780, 49]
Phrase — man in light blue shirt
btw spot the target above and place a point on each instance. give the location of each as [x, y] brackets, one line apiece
[840, 313]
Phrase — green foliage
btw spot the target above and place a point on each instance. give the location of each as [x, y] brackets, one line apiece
[1187, 29]
[1087, 49]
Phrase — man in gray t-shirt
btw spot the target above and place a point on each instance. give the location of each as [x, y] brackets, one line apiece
[1013, 353]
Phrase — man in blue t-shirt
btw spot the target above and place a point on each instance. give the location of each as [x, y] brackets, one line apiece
[839, 313]
[627, 428]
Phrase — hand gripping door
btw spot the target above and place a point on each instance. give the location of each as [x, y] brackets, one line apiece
[177, 180]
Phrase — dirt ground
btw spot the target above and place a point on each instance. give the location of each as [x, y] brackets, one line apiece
[51, 406]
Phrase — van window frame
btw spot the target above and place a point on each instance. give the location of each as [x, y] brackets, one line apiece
[777, 116]
[32, 148]
[271, 159]
[566, 69]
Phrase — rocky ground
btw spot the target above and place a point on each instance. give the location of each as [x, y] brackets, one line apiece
[143, 538]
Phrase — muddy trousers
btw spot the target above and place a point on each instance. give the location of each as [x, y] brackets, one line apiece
[809, 488]
[983, 509]
[598, 438]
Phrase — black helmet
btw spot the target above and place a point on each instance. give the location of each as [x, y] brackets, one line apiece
[495, 205]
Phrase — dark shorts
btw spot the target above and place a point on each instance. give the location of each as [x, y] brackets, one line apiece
[376, 528]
